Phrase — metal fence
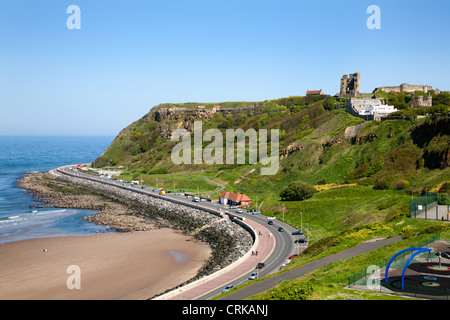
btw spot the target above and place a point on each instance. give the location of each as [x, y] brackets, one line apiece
[423, 206]
[431, 206]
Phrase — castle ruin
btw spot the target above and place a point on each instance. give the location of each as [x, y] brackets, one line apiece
[421, 101]
[350, 85]
[405, 87]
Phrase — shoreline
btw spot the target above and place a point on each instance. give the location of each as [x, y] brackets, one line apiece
[112, 212]
[113, 265]
[129, 214]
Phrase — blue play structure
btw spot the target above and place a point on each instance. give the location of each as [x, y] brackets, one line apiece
[418, 251]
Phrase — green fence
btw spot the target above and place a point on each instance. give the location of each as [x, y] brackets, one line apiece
[424, 206]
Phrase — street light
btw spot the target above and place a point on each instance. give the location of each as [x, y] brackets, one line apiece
[301, 221]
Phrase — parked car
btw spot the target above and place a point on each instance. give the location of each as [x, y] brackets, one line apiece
[253, 276]
[297, 233]
[302, 240]
[293, 256]
[227, 288]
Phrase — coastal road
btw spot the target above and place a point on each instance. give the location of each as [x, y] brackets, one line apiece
[273, 250]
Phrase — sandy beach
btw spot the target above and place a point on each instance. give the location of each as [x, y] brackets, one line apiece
[132, 265]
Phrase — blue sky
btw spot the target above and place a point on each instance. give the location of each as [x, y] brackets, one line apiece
[131, 55]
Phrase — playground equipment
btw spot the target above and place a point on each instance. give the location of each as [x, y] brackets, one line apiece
[418, 251]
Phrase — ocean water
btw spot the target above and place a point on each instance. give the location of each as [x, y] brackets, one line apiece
[21, 155]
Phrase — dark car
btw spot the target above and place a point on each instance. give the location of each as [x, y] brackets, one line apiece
[270, 222]
[280, 229]
[302, 240]
[260, 265]
[297, 233]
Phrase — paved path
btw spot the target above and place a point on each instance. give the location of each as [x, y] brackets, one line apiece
[269, 283]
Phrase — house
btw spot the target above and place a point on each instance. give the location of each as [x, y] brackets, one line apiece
[314, 92]
[234, 199]
[369, 108]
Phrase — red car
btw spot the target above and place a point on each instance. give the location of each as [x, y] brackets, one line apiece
[293, 256]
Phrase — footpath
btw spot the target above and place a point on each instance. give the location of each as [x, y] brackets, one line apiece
[271, 282]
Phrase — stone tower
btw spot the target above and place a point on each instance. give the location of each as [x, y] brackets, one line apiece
[421, 101]
[350, 85]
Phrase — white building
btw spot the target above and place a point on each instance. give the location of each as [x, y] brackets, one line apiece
[369, 108]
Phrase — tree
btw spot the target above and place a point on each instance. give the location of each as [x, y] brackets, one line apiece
[297, 191]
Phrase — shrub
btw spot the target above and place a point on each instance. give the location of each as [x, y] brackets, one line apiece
[357, 173]
[407, 232]
[445, 188]
[443, 199]
[137, 135]
[382, 184]
[293, 291]
[402, 184]
[297, 191]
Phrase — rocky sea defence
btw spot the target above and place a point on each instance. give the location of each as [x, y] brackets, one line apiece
[126, 210]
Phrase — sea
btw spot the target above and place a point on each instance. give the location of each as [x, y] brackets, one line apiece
[19, 219]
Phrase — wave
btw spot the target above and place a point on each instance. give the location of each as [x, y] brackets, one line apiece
[34, 216]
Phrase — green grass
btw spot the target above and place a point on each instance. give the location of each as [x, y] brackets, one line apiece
[329, 282]
[191, 183]
[376, 159]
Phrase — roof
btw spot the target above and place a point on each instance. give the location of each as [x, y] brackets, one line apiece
[314, 91]
[234, 196]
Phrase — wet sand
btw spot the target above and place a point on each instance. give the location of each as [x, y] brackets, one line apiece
[132, 265]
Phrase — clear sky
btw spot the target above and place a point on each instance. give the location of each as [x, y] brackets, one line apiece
[131, 55]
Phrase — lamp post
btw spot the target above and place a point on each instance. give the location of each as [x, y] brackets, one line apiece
[301, 221]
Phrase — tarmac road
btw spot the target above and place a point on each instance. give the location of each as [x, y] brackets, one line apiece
[269, 283]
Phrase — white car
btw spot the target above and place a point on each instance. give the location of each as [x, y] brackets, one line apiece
[239, 211]
[228, 288]
[253, 276]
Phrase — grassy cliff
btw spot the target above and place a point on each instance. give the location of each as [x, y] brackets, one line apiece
[320, 144]
[365, 173]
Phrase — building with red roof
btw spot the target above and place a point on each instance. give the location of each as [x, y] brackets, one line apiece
[314, 92]
[235, 199]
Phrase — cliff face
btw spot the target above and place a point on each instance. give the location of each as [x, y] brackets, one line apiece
[171, 118]
[200, 112]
